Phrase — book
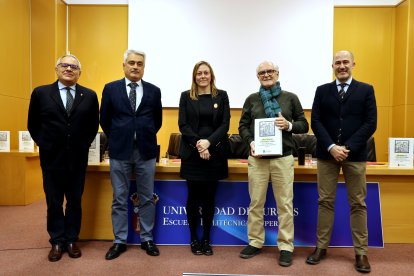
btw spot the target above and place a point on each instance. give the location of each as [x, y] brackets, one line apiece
[400, 152]
[267, 137]
[26, 142]
[94, 156]
[4, 140]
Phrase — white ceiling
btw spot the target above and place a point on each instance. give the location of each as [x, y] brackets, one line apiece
[337, 3]
[366, 2]
[95, 2]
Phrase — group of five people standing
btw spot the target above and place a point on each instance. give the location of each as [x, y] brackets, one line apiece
[64, 117]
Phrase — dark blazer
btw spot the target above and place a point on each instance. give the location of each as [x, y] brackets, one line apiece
[188, 119]
[120, 122]
[350, 122]
[63, 140]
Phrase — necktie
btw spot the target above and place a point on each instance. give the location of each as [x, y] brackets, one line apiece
[69, 100]
[342, 90]
[341, 94]
[133, 95]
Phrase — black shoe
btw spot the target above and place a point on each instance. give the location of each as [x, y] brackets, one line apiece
[206, 248]
[316, 257]
[73, 250]
[285, 258]
[362, 264]
[196, 247]
[55, 253]
[115, 250]
[150, 247]
[249, 251]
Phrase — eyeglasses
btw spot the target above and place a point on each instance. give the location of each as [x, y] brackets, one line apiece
[67, 65]
[264, 72]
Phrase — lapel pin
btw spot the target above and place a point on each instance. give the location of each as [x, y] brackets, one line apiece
[215, 105]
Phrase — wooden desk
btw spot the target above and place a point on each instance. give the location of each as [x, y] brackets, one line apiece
[20, 178]
[396, 192]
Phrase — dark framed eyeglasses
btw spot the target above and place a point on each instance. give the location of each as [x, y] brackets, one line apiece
[67, 65]
[264, 72]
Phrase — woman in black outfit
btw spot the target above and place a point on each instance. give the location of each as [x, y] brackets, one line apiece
[204, 118]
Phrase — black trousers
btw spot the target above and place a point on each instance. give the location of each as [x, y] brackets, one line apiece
[201, 194]
[63, 226]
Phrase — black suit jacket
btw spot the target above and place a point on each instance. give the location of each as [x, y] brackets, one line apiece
[350, 122]
[120, 122]
[188, 120]
[63, 140]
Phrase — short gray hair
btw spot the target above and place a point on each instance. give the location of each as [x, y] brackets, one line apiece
[72, 56]
[135, 52]
[267, 62]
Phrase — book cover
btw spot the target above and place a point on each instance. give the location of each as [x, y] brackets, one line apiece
[267, 137]
[94, 151]
[4, 140]
[26, 142]
[400, 152]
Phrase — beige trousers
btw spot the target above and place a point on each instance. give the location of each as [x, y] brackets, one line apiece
[356, 186]
[280, 171]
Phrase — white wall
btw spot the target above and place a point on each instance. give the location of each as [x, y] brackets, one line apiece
[234, 36]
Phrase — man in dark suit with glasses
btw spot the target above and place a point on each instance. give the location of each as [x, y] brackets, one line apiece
[63, 120]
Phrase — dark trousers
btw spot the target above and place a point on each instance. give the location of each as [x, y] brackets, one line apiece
[63, 226]
[201, 194]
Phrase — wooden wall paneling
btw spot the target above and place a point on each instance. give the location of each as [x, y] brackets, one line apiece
[43, 39]
[369, 34]
[410, 119]
[382, 133]
[410, 63]
[15, 72]
[398, 122]
[60, 30]
[399, 92]
[98, 36]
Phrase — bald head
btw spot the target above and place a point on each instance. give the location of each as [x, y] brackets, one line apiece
[342, 65]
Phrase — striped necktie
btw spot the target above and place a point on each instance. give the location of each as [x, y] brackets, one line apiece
[342, 90]
[69, 100]
[133, 95]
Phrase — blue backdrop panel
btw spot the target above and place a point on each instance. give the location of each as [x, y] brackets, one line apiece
[230, 220]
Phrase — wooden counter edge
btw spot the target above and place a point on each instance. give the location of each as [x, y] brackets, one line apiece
[238, 167]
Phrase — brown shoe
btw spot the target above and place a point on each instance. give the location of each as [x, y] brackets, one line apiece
[73, 250]
[316, 256]
[362, 264]
[55, 253]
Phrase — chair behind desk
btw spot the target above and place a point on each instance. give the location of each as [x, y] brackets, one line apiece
[307, 141]
[174, 146]
[103, 145]
[372, 154]
[238, 148]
